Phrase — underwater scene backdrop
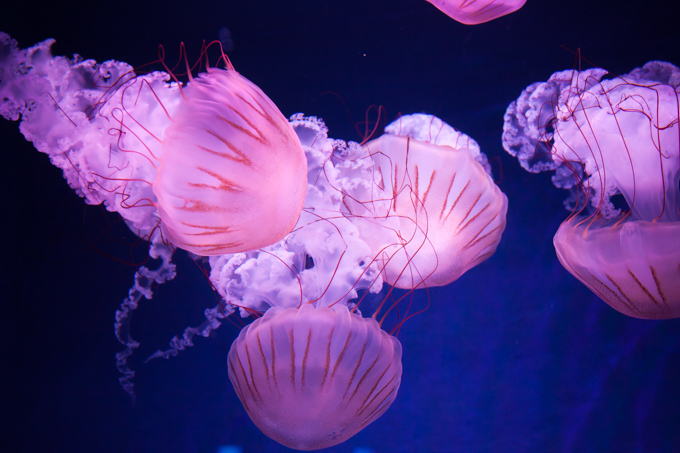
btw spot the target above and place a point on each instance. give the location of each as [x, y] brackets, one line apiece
[516, 355]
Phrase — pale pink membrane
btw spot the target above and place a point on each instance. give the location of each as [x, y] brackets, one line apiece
[233, 173]
[472, 12]
[311, 378]
[325, 259]
[634, 266]
[433, 211]
[611, 137]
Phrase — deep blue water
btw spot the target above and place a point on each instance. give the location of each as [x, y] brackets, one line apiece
[516, 356]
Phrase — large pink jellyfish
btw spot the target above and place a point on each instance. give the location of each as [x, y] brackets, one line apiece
[213, 167]
[232, 174]
[433, 211]
[616, 144]
[473, 12]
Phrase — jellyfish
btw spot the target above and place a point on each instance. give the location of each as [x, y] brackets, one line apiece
[433, 210]
[615, 144]
[232, 175]
[311, 378]
[473, 12]
[211, 167]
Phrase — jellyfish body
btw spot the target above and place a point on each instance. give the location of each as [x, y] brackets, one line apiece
[472, 12]
[311, 378]
[233, 174]
[216, 161]
[616, 144]
[434, 212]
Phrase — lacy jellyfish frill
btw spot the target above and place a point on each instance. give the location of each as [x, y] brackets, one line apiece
[614, 143]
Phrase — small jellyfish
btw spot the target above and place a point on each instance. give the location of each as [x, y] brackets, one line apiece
[615, 143]
[433, 212]
[311, 378]
[473, 12]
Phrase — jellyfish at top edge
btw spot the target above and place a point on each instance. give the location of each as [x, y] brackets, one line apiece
[187, 163]
[473, 12]
[433, 211]
[615, 144]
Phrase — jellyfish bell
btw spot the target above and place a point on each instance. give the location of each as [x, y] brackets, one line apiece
[311, 378]
[616, 144]
[473, 12]
[633, 266]
[232, 175]
[434, 212]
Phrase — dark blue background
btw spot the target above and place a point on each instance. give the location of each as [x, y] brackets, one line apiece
[515, 356]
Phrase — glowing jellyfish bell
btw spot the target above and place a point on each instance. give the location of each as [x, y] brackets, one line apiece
[615, 144]
[473, 12]
[433, 212]
[233, 174]
[311, 378]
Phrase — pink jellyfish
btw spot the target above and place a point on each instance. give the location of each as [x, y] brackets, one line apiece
[473, 12]
[213, 167]
[232, 175]
[616, 144]
[311, 378]
[433, 211]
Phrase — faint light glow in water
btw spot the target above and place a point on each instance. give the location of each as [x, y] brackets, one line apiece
[229, 449]
[362, 450]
